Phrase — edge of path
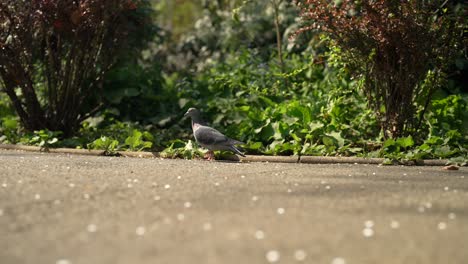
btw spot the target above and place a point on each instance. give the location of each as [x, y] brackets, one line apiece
[249, 158]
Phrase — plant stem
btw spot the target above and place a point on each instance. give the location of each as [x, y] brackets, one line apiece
[279, 45]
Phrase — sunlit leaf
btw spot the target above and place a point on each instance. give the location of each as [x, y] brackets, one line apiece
[405, 142]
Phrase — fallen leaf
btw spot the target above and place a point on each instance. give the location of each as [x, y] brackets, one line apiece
[450, 167]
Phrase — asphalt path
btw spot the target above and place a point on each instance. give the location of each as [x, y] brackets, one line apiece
[71, 209]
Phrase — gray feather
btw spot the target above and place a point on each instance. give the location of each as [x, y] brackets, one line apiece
[210, 136]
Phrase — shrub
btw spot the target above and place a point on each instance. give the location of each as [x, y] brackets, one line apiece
[400, 48]
[55, 54]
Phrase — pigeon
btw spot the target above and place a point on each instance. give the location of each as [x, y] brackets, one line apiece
[209, 137]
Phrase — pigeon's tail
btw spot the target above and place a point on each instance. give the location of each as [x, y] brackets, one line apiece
[236, 150]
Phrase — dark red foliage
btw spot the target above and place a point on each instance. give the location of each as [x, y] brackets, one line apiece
[131, 5]
[55, 53]
[393, 44]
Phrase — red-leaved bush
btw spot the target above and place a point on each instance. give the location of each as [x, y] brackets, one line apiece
[400, 47]
[55, 53]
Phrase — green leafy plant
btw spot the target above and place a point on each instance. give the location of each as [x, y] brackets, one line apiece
[247, 98]
[181, 149]
[107, 144]
[136, 141]
[9, 129]
[42, 138]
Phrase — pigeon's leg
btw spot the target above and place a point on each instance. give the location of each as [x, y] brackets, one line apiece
[207, 154]
[210, 155]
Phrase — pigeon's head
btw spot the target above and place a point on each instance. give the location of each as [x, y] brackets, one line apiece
[192, 112]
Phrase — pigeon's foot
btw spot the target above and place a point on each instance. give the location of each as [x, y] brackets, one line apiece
[210, 155]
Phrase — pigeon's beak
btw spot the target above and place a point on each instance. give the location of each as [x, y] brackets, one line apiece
[186, 114]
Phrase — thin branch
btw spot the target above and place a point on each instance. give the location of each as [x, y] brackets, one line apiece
[279, 44]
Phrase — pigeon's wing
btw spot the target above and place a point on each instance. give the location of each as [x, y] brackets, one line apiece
[210, 136]
[235, 142]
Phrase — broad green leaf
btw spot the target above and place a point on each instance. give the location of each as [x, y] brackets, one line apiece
[295, 137]
[148, 136]
[254, 145]
[338, 137]
[183, 102]
[315, 126]
[52, 141]
[405, 142]
[444, 151]
[434, 140]
[9, 123]
[389, 143]
[267, 132]
[244, 108]
[329, 141]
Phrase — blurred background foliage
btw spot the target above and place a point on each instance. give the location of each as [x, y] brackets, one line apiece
[221, 56]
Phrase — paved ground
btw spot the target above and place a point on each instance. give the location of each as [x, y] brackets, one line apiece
[81, 209]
